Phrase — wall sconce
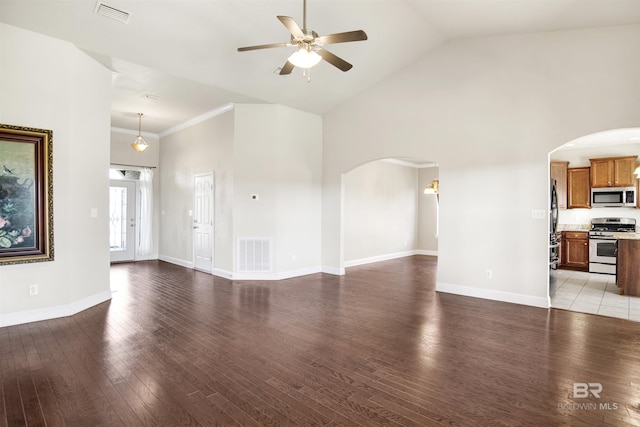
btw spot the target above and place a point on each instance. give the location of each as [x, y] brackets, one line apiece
[140, 144]
[637, 172]
[433, 188]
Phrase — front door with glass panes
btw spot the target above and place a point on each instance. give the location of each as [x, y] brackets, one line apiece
[122, 220]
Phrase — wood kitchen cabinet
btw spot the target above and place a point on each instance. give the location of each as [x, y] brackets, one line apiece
[578, 189]
[613, 172]
[558, 171]
[574, 250]
[628, 267]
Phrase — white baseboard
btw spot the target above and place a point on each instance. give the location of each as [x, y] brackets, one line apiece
[542, 302]
[426, 252]
[276, 276]
[246, 276]
[333, 270]
[188, 264]
[146, 257]
[54, 312]
[378, 258]
[341, 271]
[176, 261]
[222, 273]
[300, 272]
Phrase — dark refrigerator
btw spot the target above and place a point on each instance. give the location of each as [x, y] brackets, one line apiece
[554, 245]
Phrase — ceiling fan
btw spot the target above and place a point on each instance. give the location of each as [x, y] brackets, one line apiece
[310, 45]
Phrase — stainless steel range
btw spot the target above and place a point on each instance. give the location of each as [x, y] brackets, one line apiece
[603, 243]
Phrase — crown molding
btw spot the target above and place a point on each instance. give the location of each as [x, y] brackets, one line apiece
[199, 119]
[411, 164]
[135, 132]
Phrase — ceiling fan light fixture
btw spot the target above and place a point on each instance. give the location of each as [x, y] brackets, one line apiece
[304, 58]
[310, 46]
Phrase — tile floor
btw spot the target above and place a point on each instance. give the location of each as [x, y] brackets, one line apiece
[593, 293]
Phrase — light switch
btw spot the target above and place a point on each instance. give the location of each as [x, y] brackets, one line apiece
[94, 213]
[537, 213]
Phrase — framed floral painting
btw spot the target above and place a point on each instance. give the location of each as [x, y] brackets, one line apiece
[26, 195]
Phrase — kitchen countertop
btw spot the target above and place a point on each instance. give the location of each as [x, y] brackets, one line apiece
[574, 227]
[627, 236]
[587, 227]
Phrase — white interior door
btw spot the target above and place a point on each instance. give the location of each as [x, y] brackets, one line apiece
[122, 220]
[203, 222]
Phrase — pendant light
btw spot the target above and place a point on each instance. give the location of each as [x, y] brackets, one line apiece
[140, 144]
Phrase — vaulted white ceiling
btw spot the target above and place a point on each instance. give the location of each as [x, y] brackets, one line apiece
[176, 59]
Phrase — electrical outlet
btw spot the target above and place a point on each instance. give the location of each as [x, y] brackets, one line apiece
[33, 290]
[488, 274]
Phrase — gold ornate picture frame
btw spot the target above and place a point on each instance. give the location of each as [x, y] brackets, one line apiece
[26, 195]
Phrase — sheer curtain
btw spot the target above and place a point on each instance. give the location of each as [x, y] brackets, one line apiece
[145, 241]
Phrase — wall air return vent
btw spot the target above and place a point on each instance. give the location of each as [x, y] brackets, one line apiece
[254, 255]
[112, 12]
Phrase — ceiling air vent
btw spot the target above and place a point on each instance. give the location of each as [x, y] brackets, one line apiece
[112, 12]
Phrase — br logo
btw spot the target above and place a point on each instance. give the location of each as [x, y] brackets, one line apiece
[583, 390]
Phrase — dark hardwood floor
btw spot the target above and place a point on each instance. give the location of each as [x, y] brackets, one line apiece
[375, 347]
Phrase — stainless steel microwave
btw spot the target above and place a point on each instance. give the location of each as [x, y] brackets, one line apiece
[613, 197]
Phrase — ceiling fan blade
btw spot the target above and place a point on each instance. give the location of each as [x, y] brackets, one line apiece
[291, 25]
[262, 46]
[287, 68]
[349, 36]
[334, 60]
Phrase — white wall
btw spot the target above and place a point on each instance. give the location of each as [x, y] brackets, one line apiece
[49, 84]
[380, 211]
[123, 154]
[278, 156]
[271, 151]
[427, 213]
[488, 111]
[202, 148]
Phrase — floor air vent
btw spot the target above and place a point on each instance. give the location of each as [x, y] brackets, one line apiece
[254, 255]
[104, 9]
